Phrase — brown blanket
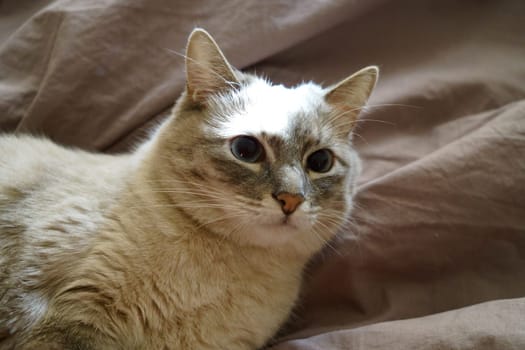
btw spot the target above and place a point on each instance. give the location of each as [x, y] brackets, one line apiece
[439, 262]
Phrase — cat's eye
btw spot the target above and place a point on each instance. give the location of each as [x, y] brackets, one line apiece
[247, 149]
[320, 161]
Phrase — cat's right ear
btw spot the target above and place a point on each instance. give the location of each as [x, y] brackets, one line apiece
[349, 96]
[207, 70]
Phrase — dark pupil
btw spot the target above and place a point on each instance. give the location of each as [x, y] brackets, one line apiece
[246, 148]
[320, 161]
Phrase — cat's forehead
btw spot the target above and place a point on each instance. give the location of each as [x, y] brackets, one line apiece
[262, 108]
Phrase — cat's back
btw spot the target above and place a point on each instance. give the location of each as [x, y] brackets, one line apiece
[52, 200]
[38, 168]
[40, 180]
[23, 158]
[26, 160]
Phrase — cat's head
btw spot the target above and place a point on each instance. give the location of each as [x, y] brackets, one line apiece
[258, 163]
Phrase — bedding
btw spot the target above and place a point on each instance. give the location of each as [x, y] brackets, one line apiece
[434, 257]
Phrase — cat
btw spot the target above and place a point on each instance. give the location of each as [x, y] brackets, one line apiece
[195, 240]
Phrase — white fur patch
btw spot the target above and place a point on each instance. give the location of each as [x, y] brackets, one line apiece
[271, 108]
[291, 175]
[35, 306]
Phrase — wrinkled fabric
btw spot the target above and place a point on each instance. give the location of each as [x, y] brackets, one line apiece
[434, 257]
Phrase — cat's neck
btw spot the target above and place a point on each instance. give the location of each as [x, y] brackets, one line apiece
[155, 218]
[167, 241]
[159, 252]
[167, 195]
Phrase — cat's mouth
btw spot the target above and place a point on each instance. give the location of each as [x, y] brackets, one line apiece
[287, 221]
[276, 219]
[284, 222]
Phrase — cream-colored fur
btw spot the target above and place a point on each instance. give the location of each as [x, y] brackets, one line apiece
[142, 251]
[179, 286]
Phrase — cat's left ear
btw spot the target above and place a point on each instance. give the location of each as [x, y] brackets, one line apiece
[349, 96]
[207, 70]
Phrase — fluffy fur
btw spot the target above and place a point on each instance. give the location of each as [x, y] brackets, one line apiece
[178, 245]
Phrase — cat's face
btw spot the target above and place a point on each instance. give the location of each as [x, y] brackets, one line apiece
[259, 163]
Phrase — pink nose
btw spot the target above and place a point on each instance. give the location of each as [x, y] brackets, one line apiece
[289, 201]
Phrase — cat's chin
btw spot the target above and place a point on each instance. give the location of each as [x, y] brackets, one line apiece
[272, 235]
[286, 224]
[281, 231]
[269, 229]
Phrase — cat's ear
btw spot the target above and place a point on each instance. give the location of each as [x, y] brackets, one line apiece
[207, 70]
[349, 96]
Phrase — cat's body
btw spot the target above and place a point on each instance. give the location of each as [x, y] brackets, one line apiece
[187, 243]
[93, 232]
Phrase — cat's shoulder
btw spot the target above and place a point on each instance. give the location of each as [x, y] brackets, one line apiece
[29, 159]
[13, 141]
[26, 147]
[35, 148]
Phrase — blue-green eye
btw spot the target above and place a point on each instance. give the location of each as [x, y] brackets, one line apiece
[320, 161]
[247, 149]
